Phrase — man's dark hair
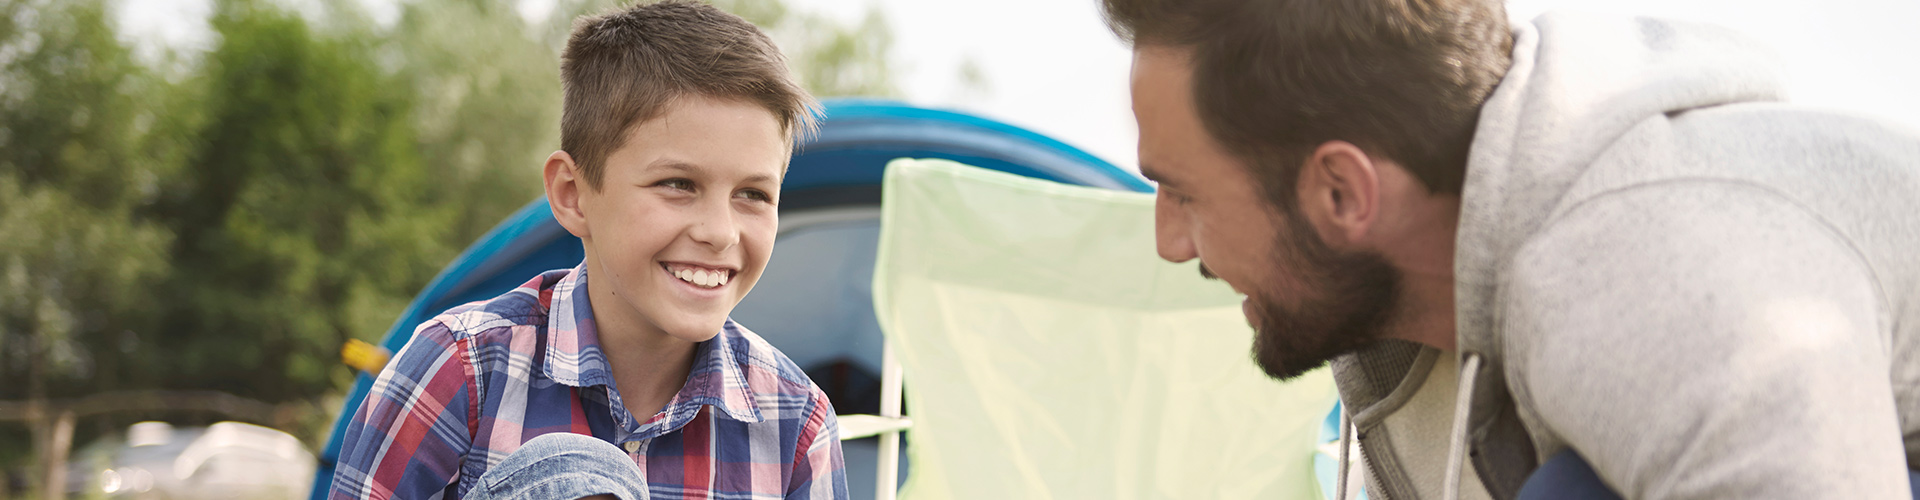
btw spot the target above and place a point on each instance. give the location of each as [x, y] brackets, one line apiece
[624, 67]
[1273, 79]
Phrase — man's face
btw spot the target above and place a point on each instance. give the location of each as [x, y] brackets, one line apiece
[685, 217]
[1307, 302]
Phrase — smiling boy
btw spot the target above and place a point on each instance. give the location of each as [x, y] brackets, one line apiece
[624, 376]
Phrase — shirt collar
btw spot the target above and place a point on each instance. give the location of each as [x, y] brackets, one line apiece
[718, 376]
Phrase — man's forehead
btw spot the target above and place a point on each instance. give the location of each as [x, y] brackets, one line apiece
[1163, 56]
[1158, 72]
[1162, 104]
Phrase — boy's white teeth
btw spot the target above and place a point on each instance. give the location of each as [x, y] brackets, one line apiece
[702, 277]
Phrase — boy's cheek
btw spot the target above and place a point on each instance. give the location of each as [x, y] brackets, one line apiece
[759, 234]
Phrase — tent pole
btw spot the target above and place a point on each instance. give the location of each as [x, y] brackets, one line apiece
[886, 480]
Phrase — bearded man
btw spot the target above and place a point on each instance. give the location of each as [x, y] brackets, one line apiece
[1581, 255]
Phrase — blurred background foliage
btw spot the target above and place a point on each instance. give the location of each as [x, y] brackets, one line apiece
[226, 218]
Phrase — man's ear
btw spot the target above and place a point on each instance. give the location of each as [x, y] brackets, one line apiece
[1340, 192]
[564, 187]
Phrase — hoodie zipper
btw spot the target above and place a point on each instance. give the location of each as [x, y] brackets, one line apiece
[1383, 468]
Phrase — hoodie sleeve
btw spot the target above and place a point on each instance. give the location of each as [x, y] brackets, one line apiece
[1705, 339]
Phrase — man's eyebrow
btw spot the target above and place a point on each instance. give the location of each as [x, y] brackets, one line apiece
[1152, 174]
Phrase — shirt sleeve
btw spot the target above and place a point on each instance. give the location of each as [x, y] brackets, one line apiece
[819, 471]
[408, 437]
[1697, 340]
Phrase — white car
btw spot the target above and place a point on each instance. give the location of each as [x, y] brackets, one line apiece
[223, 460]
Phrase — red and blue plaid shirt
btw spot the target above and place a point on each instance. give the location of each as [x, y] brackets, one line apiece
[476, 382]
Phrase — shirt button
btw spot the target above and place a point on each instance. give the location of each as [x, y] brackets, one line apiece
[633, 446]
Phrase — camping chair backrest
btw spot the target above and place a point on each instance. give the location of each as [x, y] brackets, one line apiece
[1049, 353]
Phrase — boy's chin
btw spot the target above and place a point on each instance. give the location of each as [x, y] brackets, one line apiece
[696, 331]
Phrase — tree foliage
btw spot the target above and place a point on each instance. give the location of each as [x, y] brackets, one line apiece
[226, 219]
[82, 148]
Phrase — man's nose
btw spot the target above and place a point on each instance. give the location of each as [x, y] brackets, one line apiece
[1171, 235]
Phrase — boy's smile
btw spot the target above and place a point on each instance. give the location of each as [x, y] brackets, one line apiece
[683, 221]
[706, 277]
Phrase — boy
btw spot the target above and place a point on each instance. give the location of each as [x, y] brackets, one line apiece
[675, 134]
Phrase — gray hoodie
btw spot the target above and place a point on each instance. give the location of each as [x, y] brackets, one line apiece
[1704, 292]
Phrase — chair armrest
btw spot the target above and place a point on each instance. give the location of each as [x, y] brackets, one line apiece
[860, 426]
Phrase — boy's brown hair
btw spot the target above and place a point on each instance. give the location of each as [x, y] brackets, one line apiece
[1273, 79]
[624, 67]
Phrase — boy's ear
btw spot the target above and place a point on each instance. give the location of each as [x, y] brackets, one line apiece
[564, 186]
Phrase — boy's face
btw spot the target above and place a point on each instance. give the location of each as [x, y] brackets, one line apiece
[685, 217]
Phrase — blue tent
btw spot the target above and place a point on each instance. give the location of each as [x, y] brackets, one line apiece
[813, 302]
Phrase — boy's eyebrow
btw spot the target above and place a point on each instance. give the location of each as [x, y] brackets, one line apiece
[673, 164]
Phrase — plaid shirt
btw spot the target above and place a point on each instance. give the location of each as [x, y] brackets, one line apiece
[479, 380]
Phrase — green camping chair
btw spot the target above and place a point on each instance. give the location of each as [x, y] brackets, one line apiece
[1051, 354]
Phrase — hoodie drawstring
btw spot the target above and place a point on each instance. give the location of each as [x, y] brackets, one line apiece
[1462, 403]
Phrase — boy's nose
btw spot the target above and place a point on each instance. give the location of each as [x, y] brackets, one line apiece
[715, 227]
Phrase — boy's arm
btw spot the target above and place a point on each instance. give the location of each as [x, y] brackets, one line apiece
[1697, 340]
[819, 472]
[408, 437]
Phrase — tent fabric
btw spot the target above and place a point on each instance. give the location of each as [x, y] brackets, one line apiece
[1049, 353]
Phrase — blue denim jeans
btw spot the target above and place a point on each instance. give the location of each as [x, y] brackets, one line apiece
[1567, 476]
[562, 466]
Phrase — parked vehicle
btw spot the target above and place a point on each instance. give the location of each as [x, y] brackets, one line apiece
[155, 460]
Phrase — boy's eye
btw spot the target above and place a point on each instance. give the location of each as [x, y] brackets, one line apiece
[680, 184]
[755, 195]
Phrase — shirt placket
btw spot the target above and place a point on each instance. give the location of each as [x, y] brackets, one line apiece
[637, 450]
[627, 429]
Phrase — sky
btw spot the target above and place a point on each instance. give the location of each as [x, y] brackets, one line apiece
[1051, 65]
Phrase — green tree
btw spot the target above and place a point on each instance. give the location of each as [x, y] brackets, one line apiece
[303, 213]
[226, 219]
[834, 60]
[81, 151]
[830, 58]
[486, 89]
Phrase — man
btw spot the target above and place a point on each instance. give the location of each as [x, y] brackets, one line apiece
[1578, 255]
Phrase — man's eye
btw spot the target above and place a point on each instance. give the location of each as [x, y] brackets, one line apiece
[680, 184]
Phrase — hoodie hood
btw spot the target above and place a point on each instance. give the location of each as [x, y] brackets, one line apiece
[1578, 82]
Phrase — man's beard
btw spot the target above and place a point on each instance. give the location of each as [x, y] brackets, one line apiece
[1343, 303]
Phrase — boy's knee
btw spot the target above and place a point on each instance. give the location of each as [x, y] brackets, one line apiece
[562, 451]
[567, 443]
[564, 465]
